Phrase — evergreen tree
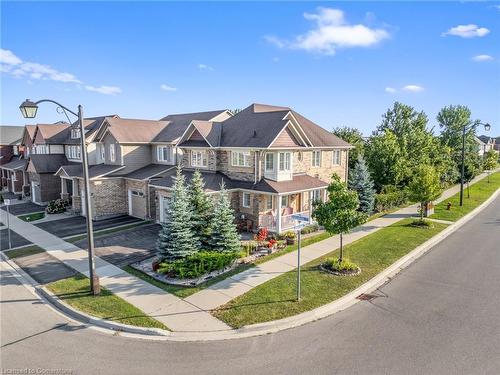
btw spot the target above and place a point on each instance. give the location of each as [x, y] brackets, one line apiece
[361, 181]
[176, 239]
[224, 237]
[202, 208]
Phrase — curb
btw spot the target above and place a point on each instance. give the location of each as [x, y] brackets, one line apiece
[259, 328]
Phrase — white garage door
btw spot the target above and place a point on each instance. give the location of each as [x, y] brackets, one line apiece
[136, 204]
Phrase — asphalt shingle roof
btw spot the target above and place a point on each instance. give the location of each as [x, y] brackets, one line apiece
[99, 170]
[47, 163]
[212, 180]
[11, 135]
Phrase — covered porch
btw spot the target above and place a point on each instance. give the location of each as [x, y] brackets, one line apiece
[279, 210]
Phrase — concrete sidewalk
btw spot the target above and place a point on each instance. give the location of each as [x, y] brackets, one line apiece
[222, 292]
[176, 314]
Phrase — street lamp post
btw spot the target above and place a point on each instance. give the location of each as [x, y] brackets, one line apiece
[465, 129]
[28, 110]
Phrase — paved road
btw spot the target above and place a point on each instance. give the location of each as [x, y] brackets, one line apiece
[439, 316]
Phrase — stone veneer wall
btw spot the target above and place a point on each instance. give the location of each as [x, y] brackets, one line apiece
[237, 173]
[211, 155]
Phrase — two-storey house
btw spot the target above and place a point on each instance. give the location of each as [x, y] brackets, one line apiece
[11, 158]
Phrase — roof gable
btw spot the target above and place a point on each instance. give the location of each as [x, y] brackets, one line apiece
[286, 138]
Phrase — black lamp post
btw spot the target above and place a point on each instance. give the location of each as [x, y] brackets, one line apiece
[28, 110]
[465, 129]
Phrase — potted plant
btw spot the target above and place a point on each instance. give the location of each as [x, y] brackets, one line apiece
[289, 237]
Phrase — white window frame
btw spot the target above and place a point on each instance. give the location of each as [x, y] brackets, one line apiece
[240, 159]
[112, 154]
[74, 152]
[75, 133]
[13, 176]
[316, 195]
[245, 196]
[316, 158]
[269, 202]
[42, 149]
[336, 157]
[271, 156]
[287, 162]
[199, 159]
[103, 151]
[15, 150]
[160, 153]
[287, 201]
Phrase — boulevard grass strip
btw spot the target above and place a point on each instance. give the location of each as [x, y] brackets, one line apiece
[104, 232]
[479, 192]
[185, 291]
[75, 292]
[275, 299]
[33, 216]
[24, 251]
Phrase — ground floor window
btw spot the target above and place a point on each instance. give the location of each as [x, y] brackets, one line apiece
[285, 200]
[316, 195]
[246, 200]
[269, 202]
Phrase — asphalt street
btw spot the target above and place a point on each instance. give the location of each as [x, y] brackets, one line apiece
[439, 316]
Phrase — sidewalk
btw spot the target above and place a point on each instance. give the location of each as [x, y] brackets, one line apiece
[176, 314]
[222, 292]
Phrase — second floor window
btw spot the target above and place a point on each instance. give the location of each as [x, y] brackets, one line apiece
[316, 158]
[112, 155]
[269, 162]
[103, 152]
[199, 159]
[164, 153]
[285, 164]
[336, 157]
[74, 152]
[42, 149]
[75, 133]
[240, 159]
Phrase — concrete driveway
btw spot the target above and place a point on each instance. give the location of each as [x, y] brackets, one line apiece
[44, 268]
[75, 225]
[16, 239]
[126, 247]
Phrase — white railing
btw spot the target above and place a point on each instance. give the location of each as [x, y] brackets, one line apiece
[287, 222]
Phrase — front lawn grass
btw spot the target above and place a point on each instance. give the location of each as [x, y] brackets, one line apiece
[275, 299]
[186, 291]
[479, 192]
[33, 216]
[75, 292]
[24, 251]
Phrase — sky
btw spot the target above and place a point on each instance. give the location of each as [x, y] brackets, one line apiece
[336, 63]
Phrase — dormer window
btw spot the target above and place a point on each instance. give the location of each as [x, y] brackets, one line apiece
[112, 155]
[284, 161]
[75, 133]
[164, 153]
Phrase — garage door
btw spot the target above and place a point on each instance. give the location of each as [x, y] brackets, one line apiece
[137, 204]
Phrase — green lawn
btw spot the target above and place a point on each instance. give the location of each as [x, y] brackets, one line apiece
[75, 292]
[275, 299]
[479, 192]
[33, 216]
[185, 291]
[103, 232]
[24, 251]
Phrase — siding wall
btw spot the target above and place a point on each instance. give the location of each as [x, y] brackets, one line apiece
[135, 157]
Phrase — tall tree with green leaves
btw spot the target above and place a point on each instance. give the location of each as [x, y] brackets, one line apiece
[202, 207]
[176, 239]
[355, 138]
[339, 214]
[424, 187]
[361, 181]
[224, 236]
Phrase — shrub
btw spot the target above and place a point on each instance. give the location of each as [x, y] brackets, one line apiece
[249, 247]
[198, 264]
[262, 234]
[281, 244]
[57, 206]
[290, 235]
[345, 265]
[390, 197]
[310, 229]
[421, 224]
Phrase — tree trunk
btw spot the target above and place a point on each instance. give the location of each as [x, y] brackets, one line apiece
[341, 254]
[468, 189]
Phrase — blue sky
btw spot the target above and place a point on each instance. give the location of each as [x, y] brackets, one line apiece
[337, 63]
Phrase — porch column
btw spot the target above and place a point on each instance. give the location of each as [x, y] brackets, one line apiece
[278, 213]
[309, 203]
[64, 190]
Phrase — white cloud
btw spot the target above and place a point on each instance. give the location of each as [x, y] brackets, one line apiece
[331, 32]
[467, 31]
[7, 57]
[390, 90]
[205, 67]
[167, 87]
[276, 59]
[481, 58]
[106, 90]
[413, 88]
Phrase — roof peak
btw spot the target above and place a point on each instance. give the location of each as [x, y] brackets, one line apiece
[259, 107]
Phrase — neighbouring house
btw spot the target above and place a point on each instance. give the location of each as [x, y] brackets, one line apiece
[12, 160]
[486, 144]
[274, 163]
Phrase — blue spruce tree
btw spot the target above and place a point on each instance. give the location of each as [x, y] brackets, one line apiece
[361, 181]
[176, 239]
[202, 207]
[224, 236]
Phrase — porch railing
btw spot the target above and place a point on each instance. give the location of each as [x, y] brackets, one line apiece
[287, 222]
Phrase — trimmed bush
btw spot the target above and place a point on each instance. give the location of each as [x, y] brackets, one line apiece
[390, 197]
[57, 206]
[345, 265]
[310, 229]
[198, 264]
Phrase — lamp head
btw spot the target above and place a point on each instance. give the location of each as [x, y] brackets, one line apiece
[28, 109]
[487, 127]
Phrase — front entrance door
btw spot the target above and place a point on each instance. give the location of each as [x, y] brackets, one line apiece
[35, 193]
